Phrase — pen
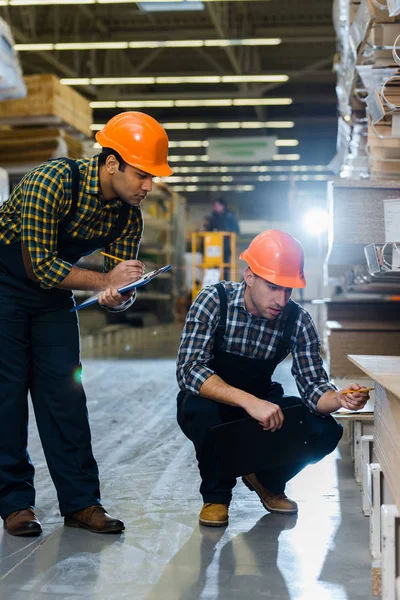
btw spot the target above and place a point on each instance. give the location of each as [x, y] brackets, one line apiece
[111, 256]
[355, 391]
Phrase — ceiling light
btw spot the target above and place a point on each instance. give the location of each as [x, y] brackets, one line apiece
[262, 101]
[146, 104]
[67, 2]
[172, 80]
[250, 169]
[205, 102]
[213, 188]
[188, 158]
[254, 78]
[144, 44]
[188, 144]
[37, 47]
[177, 125]
[286, 157]
[286, 143]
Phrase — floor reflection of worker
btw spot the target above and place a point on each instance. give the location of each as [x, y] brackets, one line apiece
[235, 335]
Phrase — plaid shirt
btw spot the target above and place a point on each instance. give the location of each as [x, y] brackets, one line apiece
[251, 337]
[41, 201]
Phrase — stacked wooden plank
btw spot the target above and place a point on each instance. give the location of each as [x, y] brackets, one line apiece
[30, 145]
[51, 121]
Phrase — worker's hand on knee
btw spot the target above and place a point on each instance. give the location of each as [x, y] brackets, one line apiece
[268, 414]
[124, 273]
[111, 298]
[355, 400]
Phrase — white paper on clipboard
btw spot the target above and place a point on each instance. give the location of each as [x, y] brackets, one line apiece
[142, 281]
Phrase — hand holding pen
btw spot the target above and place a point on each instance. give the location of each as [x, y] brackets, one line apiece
[355, 397]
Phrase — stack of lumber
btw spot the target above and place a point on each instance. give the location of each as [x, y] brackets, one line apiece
[30, 145]
[51, 121]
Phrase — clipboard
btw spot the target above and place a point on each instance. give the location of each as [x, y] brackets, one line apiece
[244, 447]
[126, 288]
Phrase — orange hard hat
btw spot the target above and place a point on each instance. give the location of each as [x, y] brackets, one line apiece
[277, 257]
[140, 140]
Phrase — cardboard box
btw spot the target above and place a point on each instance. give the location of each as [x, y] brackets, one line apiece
[48, 102]
[384, 34]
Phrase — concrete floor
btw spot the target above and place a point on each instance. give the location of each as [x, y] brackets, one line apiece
[150, 480]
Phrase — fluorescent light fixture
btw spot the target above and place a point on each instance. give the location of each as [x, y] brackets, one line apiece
[188, 158]
[27, 47]
[189, 79]
[147, 104]
[172, 5]
[145, 44]
[92, 46]
[262, 101]
[173, 80]
[68, 2]
[254, 78]
[205, 102]
[213, 188]
[188, 144]
[252, 169]
[120, 81]
[186, 103]
[286, 157]
[176, 125]
[286, 143]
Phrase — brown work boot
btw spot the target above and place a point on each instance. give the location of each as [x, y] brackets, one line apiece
[23, 522]
[275, 503]
[214, 515]
[95, 519]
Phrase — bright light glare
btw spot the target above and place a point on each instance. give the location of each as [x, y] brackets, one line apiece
[316, 222]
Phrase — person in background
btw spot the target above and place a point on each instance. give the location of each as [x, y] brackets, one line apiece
[60, 211]
[234, 336]
[221, 218]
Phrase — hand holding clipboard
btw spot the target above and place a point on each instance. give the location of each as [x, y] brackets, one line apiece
[126, 288]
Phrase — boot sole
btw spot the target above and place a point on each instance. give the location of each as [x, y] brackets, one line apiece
[278, 511]
[26, 533]
[76, 524]
[213, 523]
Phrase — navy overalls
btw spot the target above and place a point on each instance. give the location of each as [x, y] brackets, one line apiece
[40, 353]
[197, 415]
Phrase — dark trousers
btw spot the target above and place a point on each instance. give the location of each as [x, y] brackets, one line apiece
[39, 352]
[197, 415]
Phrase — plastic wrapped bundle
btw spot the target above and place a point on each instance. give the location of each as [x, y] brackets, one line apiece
[11, 82]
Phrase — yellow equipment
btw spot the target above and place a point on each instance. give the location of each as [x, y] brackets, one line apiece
[218, 251]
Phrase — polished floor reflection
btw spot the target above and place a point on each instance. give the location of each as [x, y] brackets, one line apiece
[150, 480]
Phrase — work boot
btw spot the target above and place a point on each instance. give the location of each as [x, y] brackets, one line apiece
[214, 515]
[95, 519]
[23, 522]
[275, 503]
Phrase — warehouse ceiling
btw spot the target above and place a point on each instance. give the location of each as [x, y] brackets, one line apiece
[229, 40]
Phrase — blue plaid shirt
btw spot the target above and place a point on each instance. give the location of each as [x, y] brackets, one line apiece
[248, 336]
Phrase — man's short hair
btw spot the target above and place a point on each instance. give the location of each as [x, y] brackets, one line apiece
[221, 201]
[106, 152]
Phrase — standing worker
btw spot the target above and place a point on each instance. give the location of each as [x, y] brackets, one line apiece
[59, 212]
[234, 337]
[221, 218]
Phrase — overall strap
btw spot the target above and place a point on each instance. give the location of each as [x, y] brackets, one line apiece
[75, 177]
[220, 332]
[292, 311]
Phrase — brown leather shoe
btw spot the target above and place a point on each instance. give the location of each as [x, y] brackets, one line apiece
[95, 519]
[275, 503]
[23, 522]
[214, 515]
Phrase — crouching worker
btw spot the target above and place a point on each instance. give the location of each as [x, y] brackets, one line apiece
[234, 337]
